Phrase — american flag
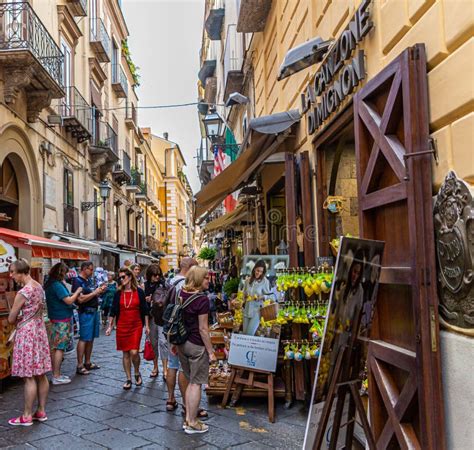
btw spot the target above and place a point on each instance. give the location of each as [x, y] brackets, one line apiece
[219, 160]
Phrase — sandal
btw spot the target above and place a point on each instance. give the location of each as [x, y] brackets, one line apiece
[40, 417]
[128, 385]
[197, 428]
[138, 376]
[153, 374]
[171, 406]
[91, 366]
[21, 421]
[82, 371]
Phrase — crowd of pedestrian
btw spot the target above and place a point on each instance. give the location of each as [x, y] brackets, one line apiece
[130, 304]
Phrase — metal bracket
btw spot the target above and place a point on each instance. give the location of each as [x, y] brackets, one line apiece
[87, 206]
[433, 149]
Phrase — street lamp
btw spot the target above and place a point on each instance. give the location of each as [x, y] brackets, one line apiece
[214, 124]
[104, 189]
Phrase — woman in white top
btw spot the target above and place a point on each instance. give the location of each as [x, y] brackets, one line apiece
[256, 285]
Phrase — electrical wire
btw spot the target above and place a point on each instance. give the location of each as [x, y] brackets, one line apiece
[176, 105]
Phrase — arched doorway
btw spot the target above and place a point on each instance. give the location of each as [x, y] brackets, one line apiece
[9, 196]
[20, 187]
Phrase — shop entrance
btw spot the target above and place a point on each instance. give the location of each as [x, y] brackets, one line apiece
[337, 185]
[276, 216]
[9, 195]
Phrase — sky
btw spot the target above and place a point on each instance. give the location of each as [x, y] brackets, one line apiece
[165, 39]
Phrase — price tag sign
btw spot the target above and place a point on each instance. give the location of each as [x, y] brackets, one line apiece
[253, 352]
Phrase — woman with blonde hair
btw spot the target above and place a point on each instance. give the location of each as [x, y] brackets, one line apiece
[130, 313]
[196, 353]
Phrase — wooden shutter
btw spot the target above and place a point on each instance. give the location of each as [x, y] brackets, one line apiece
[394, 178]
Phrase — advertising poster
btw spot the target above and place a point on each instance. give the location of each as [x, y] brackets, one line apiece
[351, 307]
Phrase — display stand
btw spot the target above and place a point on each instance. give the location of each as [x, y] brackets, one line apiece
[238, 378]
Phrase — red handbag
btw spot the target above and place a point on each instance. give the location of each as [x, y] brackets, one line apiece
[148, 352]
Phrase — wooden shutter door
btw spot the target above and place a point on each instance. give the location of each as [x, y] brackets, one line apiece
[394, 182]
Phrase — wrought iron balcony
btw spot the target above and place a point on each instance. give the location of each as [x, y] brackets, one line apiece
[135, 181]
[30, 57]
[142, 194]
[252, 15]
[100, 39]
[71, 219]
[76, 114]
[122, 170]
[233, 61]
[119, 81]
[153, 202]
[78, 7]
[103, 148]
[131, 120]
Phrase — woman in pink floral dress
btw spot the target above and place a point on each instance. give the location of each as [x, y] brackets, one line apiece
[31, 355]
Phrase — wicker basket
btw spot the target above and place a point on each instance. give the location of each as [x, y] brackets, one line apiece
[269, 312]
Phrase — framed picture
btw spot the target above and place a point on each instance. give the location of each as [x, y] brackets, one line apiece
[350, 311]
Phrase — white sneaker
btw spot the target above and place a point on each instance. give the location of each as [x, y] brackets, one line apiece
[64, 377]
[60, 380]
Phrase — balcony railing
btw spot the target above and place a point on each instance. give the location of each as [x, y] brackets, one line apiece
[233, 61]
[21, 30]
[78, 7]
[105, 137]
[76, 114]
[71, 219]
[131, 115]
[100, 39]
[119, 81]
[142, 193]
[122, 170]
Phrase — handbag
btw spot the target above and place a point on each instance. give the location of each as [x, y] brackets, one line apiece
[148, 352]
[11, 338]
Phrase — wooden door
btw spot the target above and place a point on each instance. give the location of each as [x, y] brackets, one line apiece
[394, 178]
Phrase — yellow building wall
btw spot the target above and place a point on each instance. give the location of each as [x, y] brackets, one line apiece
[446, 27]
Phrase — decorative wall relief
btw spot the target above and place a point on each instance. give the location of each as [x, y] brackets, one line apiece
[454, 229]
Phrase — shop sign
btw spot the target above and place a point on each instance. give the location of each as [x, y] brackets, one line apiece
[253, 352]
[454, 227]
[338, 75]
[7, 256]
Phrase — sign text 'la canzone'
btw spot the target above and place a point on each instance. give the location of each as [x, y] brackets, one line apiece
[337, 77]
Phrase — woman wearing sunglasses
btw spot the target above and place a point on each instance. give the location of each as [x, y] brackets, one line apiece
[130, 313]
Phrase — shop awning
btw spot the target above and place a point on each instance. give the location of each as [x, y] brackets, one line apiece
[94, 248]
[263, 138]
[43, 247]
[303, 56]
[144, 259]
[240, 213]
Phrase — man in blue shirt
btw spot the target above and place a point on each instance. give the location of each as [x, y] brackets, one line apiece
[89, 322]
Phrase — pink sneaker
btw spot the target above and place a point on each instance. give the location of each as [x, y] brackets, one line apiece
[20, 421]
[40, 417]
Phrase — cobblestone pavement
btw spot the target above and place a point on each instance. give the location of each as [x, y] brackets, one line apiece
[94, 412]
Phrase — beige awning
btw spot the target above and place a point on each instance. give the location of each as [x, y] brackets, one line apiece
[240, 213]
[264, 137]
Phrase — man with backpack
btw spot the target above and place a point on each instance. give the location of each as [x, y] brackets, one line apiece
[176, 284]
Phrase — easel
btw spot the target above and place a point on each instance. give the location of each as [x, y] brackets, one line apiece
[237, 377]
[341, 388]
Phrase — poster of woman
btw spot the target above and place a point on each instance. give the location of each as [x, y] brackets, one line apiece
[351, 307]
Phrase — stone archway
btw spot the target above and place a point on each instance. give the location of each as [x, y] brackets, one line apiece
[15, 147]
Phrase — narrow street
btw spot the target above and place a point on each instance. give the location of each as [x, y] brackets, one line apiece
[94, 412]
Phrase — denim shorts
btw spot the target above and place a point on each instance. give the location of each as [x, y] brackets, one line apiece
[173, 361]
[89, 326]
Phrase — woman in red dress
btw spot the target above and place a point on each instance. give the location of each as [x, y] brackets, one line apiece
[130, 313]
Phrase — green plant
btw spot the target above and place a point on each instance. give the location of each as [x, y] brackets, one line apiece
[207, 254]
[231, 286]
[133, 68]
